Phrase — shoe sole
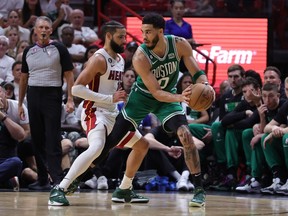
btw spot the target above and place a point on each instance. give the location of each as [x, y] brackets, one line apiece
[117, 200]
[53, 203]
[195, 204]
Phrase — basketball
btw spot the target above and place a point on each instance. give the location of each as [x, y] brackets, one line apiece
[202, 97]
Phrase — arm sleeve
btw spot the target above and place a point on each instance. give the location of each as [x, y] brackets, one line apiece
[85, 93]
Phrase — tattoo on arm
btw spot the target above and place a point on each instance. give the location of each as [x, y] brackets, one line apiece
[177, 39]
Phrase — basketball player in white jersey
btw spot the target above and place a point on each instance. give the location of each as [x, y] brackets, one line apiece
[102, 74]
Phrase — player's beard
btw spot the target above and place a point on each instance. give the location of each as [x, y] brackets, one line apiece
[115, 47]
[153, 42]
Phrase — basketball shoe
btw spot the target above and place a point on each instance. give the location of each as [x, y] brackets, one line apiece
[128, 196]
[57, 197]
[199, 198]
[283, 190]
[273, 187]
[253, 186]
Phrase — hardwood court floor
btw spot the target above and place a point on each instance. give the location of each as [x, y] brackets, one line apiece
[161, 204]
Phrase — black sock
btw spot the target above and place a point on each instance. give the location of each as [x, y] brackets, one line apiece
[197, 180]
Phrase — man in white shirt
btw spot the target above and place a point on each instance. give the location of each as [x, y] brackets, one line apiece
[76, 51]
[5, 61]
[8, 5]
[82, 34]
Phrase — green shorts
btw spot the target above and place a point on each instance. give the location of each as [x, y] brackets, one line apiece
[140, 104]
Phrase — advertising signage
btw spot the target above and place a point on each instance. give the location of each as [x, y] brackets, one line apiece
[226, 41]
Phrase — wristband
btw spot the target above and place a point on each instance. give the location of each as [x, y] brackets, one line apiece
[4, 118]
[197, 75]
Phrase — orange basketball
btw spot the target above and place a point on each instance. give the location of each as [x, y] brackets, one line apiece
[202, 97]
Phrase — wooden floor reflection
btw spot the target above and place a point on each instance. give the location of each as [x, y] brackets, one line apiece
[99, 203]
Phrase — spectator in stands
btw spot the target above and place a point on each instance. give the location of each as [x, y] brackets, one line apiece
[286, 86]
[200, 8]
[9, 88]
[11, 132]
[15, 21]
[9, 5]
[20, 48]
[178, 26]
[129, 51]
[16, 71]
[88, 53]
[5, 61]
[82, 34]
[76, 51]
[193, 116]
[12, 34]
[30, 11]
[128, 80]
[33, 37]
[58, 17]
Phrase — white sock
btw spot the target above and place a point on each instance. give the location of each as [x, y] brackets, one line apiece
[126, 182]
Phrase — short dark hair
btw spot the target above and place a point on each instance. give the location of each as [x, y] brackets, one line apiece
[110, 27]
[236, 67]
[172, 2]
[273, 68]
[251, 81]
[154, 19]
[255, 75]
[16, 63]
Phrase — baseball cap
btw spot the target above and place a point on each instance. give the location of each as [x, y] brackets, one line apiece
[6, 85]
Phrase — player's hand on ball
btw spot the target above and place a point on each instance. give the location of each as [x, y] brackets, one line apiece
[201, 97]
[119, 95]
[186, 94]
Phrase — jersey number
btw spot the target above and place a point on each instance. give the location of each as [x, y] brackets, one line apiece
[163, 82]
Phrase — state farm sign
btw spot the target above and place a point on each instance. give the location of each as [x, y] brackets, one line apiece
[222, 56]
[228, 41]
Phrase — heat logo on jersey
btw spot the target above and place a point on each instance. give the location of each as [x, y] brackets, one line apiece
[115, 75]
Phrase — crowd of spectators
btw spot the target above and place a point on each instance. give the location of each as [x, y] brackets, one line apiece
[237, 138]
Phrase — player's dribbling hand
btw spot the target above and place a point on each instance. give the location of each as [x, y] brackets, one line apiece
[119, 95]
[186, 94]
